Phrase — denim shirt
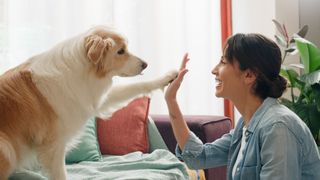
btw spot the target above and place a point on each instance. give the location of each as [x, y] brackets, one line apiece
[279, 146]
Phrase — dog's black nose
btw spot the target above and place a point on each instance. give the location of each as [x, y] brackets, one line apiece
[144, 65]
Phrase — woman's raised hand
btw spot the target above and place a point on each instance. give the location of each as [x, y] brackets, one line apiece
[172, 89]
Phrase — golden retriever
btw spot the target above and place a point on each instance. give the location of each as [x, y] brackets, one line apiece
[45, 102]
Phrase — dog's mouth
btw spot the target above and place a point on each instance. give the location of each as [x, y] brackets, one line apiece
[124, 75]
[129, 75]
[137, 71]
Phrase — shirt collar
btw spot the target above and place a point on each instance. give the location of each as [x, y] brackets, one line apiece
[257, 116]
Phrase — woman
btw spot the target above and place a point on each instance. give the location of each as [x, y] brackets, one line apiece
[269, 141]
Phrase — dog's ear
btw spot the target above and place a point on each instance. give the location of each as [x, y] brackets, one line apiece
[96, 47]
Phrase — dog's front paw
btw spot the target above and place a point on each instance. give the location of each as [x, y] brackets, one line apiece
[168, 78]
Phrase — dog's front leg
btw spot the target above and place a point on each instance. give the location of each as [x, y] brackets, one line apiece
[52, 159]
[120, 95]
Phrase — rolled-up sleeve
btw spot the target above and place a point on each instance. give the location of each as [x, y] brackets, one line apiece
[201, 156]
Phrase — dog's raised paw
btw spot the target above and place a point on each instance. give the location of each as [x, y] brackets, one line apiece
[169, 77]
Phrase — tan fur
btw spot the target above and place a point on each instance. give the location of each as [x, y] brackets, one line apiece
[6, 165]
[100, 44]
[26, 117]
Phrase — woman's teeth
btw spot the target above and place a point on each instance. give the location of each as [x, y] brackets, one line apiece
[218, 82]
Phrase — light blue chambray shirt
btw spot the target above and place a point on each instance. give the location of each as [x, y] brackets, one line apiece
[279, 147]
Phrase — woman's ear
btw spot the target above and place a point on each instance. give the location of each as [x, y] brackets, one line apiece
[250, 76]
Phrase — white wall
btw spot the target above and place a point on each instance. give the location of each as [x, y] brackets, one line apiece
[287, 13]
[310, 15]
[256, 16]
[250, 16]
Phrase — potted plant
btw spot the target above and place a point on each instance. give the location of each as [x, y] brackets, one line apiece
[303, 78]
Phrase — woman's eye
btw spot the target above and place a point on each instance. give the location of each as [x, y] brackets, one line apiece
[121, 51]
[222, 60]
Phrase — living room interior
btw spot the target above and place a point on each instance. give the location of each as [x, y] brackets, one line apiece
[160, 32]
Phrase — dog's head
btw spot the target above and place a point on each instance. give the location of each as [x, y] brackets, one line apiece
[108, 53]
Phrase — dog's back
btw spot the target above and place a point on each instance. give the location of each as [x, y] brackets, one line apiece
[25, 118]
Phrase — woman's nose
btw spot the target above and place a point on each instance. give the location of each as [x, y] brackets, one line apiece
[214, 70]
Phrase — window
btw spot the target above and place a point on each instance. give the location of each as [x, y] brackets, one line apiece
[158, 31]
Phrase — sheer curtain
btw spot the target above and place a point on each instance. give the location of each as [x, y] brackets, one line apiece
[158, 31]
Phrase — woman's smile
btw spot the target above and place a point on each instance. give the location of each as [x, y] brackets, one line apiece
[218, 83]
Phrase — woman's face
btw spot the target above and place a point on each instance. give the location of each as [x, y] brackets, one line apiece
[229, 79]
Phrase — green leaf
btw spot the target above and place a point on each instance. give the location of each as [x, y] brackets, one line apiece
[310, 78]
[290, 50]
[314, 119]
[303, 31]
[290, 74]
[316, 91]
[309, 53]
[280, 29]
[300, 66]
[294, 52]
[310, 115]
[302, 111]
[280, 41]
[287, 103]
[300, 85]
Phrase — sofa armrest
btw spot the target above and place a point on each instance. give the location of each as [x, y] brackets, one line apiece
[207, 127]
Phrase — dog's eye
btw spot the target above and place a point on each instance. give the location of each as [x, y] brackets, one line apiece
[121, 51]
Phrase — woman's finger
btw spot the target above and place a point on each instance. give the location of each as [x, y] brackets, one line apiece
[179, 78]
[182, 73]
[184, 61]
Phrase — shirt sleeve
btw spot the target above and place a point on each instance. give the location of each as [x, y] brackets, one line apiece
[280, 151]
[201, 156]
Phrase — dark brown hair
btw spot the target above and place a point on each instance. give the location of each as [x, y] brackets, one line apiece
[262, 56]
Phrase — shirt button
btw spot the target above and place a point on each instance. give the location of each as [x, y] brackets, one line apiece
[238, 169]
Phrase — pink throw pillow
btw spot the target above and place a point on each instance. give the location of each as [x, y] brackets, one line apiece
[127, 130]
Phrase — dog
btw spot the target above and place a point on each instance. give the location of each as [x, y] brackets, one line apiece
[46, 101]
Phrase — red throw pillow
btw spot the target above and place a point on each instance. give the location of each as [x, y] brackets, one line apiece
[127, 130]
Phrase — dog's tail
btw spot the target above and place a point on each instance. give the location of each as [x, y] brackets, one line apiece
[8, 157]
